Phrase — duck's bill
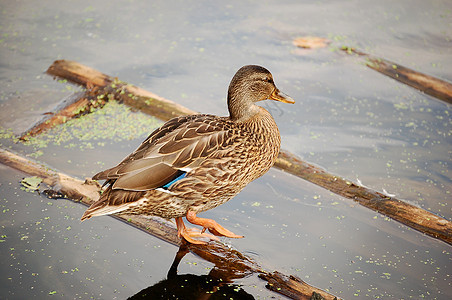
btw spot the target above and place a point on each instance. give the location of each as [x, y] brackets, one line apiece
[280, 96]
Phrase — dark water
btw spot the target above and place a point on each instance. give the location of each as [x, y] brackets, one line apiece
[349, 119]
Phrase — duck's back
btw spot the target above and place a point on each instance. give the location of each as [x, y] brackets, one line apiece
[216, 156]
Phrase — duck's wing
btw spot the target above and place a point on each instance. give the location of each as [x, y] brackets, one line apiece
[158, 133]
[178, 146]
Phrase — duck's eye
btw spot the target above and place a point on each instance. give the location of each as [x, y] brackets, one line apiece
[268, 79]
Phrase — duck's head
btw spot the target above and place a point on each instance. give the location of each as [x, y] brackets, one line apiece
[249, 85]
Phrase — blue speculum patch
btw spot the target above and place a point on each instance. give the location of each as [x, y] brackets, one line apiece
[180, 174]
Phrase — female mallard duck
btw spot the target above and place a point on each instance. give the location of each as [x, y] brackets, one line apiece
[195, 163]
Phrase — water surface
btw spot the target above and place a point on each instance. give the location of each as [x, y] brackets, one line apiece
[350, 120]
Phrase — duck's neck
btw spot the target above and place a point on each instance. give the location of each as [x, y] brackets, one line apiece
[241, 109]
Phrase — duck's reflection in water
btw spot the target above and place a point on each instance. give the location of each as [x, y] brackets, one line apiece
[216, 285]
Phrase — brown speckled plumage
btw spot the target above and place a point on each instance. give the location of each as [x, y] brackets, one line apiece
[219, 156]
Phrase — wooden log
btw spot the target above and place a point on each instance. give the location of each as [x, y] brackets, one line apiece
[432, 86]
[74, 189]
[410, 215]
[79, 74]
[77, 105]
[292, 286]
[101, 88]
[131, 95]
[232, 263]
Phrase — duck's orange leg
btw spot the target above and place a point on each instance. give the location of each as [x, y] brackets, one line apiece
[188, 233]
[213, 226]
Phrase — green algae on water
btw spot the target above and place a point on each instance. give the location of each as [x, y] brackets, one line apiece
[114, 122]
[31, 184]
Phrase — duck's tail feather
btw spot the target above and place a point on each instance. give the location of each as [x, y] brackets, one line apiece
[112, 202]
[102, 209]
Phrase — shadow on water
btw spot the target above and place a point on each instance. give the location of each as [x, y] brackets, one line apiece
[215, 285]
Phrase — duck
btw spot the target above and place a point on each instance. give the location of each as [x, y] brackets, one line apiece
[195, 163]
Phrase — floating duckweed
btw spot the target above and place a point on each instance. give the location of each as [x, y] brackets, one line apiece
[6, 133]
[114, 122]
[31, 184]
[36, 154]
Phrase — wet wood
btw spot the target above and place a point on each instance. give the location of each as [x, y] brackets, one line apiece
[99, 89]
[432, 86]
[230, 262]
[79, 74]
[293, 285]
[311, 42]
[410, 215]
[79, 104]
[74, 189]
[131, 95]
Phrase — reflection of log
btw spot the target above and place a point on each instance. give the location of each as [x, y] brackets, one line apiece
[432, 86]
[232, 263]
[147, 102]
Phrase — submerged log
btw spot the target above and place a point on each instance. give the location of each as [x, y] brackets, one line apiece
[230, 262]
[410, 215]
[432, 86]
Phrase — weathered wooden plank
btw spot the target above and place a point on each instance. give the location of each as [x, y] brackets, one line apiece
[430, 85]
[406, 213]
